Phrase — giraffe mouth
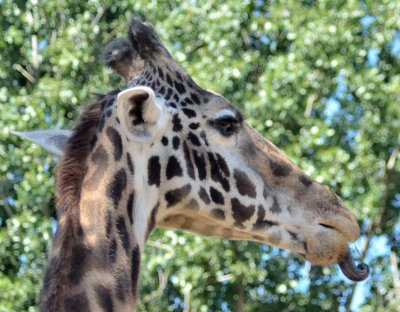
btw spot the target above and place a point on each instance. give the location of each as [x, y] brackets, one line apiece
[356, 273]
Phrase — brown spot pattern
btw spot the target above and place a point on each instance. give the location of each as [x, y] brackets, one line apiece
[135, 266]
[218, 214]
[244, 184]
[100, 160]
[104, 299]
[78, 302]
[275, 206]
[176, 195]
[261, 223]
[204, 196]
[241, 212]
[193, 205]
[305, 180]
[280, 169]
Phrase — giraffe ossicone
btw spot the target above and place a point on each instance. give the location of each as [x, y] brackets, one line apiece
[165, 152]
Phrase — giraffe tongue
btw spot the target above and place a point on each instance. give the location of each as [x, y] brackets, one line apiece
[356, 273]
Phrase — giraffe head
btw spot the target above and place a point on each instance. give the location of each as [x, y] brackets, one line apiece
[193, 163]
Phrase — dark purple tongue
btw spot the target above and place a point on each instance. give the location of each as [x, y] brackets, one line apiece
[356, 273]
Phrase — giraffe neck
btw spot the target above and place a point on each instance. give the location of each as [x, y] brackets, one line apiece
[92, 269]
[95, 258]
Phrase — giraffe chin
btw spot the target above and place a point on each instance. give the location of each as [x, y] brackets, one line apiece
[325, 246]
[354, 272]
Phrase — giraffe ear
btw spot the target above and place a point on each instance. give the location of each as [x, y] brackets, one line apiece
[51, 140]
[143, 116]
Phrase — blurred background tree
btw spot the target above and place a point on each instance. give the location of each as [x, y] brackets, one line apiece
[320, 79]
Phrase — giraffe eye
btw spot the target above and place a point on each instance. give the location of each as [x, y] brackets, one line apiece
[226, 125]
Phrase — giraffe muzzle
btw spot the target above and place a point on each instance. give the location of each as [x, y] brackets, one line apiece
[356, 273]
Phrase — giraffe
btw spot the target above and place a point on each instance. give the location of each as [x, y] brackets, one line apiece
[165, 152]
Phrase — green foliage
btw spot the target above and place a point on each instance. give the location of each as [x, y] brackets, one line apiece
[320, 79]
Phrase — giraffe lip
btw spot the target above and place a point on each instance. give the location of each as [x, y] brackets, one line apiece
[349, 230]
[329, 246]
[327, 226]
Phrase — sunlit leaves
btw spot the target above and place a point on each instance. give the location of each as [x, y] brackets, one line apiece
[320, 79]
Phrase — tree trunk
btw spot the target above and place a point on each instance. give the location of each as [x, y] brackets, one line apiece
[241, 297]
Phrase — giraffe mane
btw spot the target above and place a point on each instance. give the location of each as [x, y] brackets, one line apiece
[72, 169]
[70, 174]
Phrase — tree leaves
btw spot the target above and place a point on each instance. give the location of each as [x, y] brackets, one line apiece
[319, 79]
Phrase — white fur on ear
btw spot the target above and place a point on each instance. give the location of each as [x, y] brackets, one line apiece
[51, 140]
[152, 110]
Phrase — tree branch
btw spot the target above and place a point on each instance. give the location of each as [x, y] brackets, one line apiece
[186, 298]
[25, 73]
[310, 102]
[395, 276]
[240, 301]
